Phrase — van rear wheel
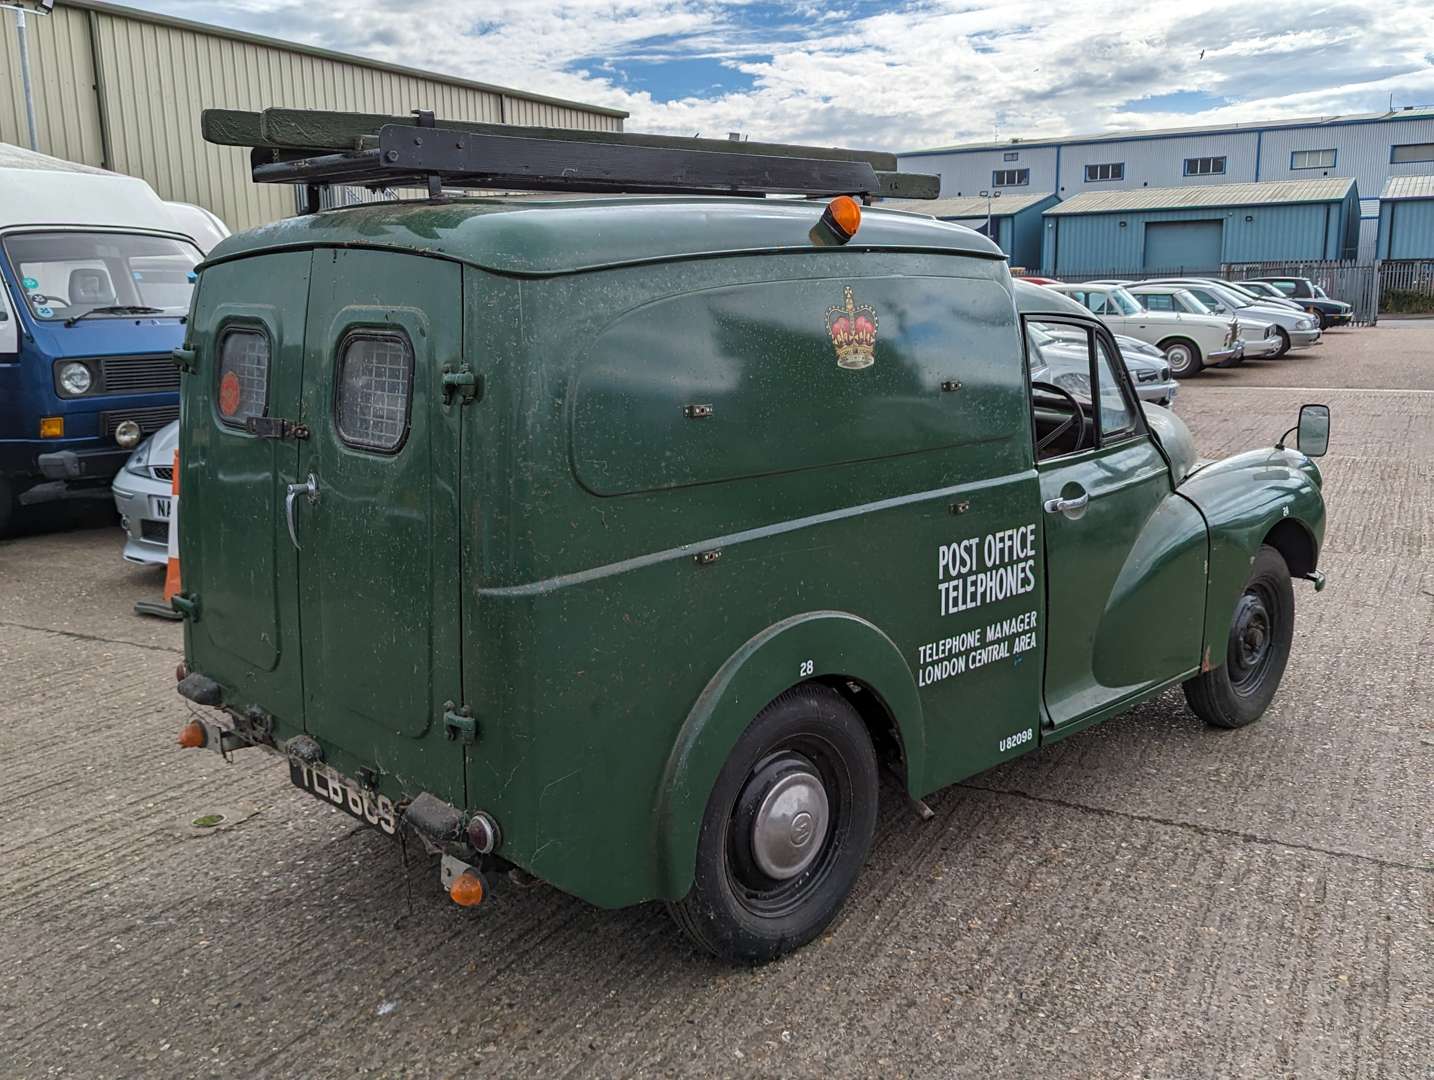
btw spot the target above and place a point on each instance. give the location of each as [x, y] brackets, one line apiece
[786, 831]
[1256, 651]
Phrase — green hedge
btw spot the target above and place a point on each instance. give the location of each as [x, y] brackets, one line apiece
[1407, 302]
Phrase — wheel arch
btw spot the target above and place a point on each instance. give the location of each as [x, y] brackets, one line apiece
[1257, 498]
[846, 653]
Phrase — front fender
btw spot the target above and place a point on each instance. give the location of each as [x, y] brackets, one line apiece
[820, 645]
[1247, 500]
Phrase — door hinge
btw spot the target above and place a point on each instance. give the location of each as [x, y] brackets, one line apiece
[276, 427]
[187, 604]
[462, 383]
[184, 360]
[459, 724]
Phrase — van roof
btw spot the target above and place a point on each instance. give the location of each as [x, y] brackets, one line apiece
[38, 190]
[541, 236]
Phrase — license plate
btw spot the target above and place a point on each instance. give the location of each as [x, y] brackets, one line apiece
[161, 508]
[323, 783]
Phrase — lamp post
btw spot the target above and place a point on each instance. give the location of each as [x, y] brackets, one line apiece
[988, 196]
[22, 36]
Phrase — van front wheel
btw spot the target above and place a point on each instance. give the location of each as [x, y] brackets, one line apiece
[786, 830]
[1256, 650]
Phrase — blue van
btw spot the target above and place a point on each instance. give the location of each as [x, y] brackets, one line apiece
[96, 275]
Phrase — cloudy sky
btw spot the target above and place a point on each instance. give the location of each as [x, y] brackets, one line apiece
[892, 74]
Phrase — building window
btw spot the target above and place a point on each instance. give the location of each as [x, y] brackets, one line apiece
[1113, 170]
[1403, 153]
[1010, 177]
[1011, 155]
[1312, 159]
[1205, 166]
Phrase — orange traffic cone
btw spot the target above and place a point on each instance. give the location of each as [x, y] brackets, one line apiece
[171, 573]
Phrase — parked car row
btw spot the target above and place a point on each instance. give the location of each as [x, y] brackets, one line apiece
[1196, 323]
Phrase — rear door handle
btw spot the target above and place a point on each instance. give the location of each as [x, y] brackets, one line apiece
[310, 489]
[1066, 506]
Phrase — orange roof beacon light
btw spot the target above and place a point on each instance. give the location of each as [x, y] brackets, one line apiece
[467, 889]
[840, 220]
[192, 736]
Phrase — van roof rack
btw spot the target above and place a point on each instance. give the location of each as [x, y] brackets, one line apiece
[313, 149]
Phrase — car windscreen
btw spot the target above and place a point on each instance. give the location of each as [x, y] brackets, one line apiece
[1123, 302]
[1192, 303]
[1320, 293]
[66, 274]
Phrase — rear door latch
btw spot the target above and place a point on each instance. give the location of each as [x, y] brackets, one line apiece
[461, 383]
[459, 724]
[276, 427]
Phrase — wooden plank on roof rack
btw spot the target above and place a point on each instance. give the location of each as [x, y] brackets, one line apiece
[230, 127]
[468, 159]
[309, 128]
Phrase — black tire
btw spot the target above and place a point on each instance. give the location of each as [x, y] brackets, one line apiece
[1322, 318]
[1284, 342]
[735, 910]
[1257, 649]
[1183, 356]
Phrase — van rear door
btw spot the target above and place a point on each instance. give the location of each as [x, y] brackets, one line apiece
[375, 516]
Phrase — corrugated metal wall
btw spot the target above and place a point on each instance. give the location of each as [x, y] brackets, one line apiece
[153, 77]
[1406, 229]
[1115, 243]
[66, 107]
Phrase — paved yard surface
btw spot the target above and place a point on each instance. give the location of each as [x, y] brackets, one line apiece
[1149, 899]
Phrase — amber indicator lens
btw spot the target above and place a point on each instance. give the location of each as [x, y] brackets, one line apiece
[843, 217]
[191, 735]
[52, 427]
[467, 889]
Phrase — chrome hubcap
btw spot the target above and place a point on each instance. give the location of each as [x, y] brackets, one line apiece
[790, 825]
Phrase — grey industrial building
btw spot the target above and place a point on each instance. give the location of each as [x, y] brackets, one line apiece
[1013, 221]
[1406, 218]
[123, 89]
[1369, 149]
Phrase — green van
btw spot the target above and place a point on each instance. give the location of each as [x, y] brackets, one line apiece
[623, 541]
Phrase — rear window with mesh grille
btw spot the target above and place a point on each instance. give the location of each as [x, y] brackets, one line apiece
[243, 376]
[374, 385]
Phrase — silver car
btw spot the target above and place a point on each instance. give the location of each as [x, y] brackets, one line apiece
[1147, 365]
[1296, 329]
[1058, 355]
[1261, 337]
[144, 499]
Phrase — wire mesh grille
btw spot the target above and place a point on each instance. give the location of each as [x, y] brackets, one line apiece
[375, 377]
[245, 355]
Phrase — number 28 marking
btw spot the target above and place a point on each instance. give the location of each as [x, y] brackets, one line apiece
[807, 667]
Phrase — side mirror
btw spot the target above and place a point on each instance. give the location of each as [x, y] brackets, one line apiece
[1312, 435]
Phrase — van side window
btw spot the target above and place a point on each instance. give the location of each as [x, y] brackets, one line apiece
[243, 375]
[1117, 418]
[1061, 370]
[375, 380]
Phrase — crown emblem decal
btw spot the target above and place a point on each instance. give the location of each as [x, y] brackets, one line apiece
[853, 332]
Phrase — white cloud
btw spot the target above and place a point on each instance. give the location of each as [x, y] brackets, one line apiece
[923, 73]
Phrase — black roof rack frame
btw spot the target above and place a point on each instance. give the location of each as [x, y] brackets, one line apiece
[315, 148]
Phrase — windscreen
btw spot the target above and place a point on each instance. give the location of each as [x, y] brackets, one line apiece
[66, 274]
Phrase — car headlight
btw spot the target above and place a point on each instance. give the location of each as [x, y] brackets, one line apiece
[1305, 324]
[138, 462]
[75, 378]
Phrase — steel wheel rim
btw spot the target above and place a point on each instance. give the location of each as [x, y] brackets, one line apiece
[1252, 639]
[804, 776]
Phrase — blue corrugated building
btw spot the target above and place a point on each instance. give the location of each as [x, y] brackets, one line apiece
[1406, 218]
[1201, 228]
[1369, 148]
[1015, 220]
